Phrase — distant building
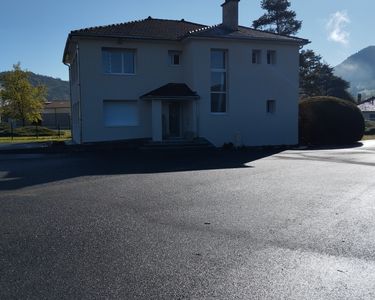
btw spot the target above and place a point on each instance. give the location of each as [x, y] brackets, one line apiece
[367, 108]
[56, 114]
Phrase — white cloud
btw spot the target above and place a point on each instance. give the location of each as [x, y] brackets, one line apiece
[336, 27]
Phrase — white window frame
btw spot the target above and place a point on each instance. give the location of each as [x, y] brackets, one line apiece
[122, 51]
[271, 57]
[258, 56]
[171, 55]
[218, 70]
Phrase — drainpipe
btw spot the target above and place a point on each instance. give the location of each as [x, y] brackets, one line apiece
[79, 85]
[70, 95]
[71, 99]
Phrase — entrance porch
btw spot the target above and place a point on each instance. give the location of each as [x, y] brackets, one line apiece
[174, 112]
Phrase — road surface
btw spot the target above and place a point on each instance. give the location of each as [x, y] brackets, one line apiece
[298, 224]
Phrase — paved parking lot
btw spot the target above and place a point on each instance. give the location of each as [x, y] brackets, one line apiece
[298, 224]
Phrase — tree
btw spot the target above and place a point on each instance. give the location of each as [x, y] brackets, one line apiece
[317, 78]
[278, 19]
[20, 100]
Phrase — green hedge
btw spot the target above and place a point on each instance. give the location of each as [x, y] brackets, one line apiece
[329, 121]
[5, 131]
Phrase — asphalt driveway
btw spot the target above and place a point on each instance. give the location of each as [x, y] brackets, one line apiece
[297, 224]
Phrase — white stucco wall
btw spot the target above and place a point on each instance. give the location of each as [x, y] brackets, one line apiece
[152, 71]
[250, 86]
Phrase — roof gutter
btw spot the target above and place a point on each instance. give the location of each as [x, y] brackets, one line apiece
[296, 41]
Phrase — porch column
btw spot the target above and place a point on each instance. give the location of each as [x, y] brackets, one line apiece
[157, 133]
[195, 117]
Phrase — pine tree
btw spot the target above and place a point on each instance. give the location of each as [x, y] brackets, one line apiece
[317, 78]
[20, 100]
[278, 19]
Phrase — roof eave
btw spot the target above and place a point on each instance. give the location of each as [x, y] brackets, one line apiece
[296, 41]
[121, 37]
[64, 58]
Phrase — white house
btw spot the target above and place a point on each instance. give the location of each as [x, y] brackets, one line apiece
[165, 79]
[367, 108]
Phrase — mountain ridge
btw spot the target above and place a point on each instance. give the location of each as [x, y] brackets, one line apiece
[58, 89]
[359, 70]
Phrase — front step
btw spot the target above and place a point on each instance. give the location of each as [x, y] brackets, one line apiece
[178, 144]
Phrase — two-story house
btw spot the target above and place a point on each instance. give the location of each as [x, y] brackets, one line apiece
[165, 79]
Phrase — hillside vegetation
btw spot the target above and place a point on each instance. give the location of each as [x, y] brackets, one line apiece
[359, 70]
[57, 89]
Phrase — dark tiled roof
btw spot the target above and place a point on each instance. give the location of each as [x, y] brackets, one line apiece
[147, 28]
[151, 28]
[171, 90]
[246, 33]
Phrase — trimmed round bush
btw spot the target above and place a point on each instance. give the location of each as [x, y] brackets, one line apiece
[329, 121]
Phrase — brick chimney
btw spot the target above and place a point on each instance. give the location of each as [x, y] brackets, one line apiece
[230, 14]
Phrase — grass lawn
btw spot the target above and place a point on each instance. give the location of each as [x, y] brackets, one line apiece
[65, 135]
[32, 139]
[368, 137]
[370, 131]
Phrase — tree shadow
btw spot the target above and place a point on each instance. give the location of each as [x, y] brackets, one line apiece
[25, 170]
[329, 147]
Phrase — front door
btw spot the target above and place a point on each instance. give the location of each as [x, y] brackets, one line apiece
[175, 120]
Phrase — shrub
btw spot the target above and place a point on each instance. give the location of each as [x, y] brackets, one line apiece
[329, 121]
[5, 130]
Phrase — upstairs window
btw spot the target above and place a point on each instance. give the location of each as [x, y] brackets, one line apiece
[256, 57]
[218, 81]
[175, 58]
[118, 61]
[271, 57]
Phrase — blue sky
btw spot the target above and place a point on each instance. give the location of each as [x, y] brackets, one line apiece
[34, 31]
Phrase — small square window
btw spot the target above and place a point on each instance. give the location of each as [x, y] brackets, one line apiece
[256, 56]
[271, 106]
[271, 57]
[175, 58]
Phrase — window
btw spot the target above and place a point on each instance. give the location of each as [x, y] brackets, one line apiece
[218, 81]
[256, 57]
[120, 113]
[175, 58]
[271, 106]
[118, 61]
[271, 57]
[372, 117]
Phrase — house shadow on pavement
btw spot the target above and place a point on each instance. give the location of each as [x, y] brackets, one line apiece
[331, 147]
[25, 170]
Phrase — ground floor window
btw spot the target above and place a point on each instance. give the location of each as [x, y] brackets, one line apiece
[120, 113]
[271, 106]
